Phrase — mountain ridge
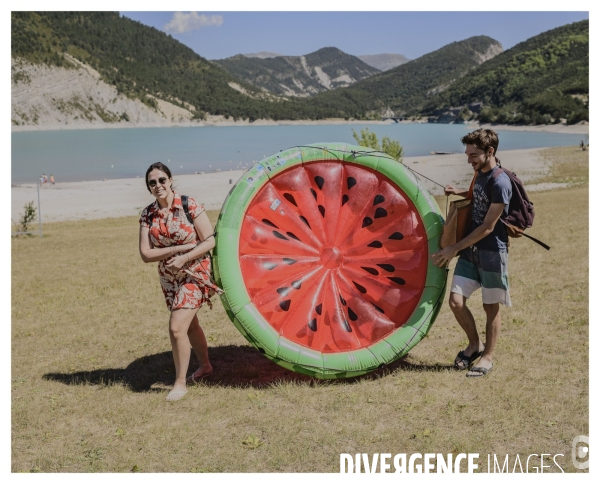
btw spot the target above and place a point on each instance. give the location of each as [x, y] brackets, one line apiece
[541, 80]
[325, 69]
[146, 76]
[404, 89]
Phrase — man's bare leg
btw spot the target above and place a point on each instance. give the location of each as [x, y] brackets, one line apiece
[466, 321]
[492, 331]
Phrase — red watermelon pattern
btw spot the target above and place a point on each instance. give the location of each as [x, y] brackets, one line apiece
[334, 256]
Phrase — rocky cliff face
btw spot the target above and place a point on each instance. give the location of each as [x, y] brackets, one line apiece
[302, 76]
[58, 97]
[492, 51]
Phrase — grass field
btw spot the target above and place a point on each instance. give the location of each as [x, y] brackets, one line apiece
[91, 365]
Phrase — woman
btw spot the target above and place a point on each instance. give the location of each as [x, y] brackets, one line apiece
[181, 249]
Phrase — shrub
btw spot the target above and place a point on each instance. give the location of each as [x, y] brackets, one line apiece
[388, 146]
[27, 217]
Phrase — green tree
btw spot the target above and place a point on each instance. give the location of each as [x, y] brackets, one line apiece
[388, 146]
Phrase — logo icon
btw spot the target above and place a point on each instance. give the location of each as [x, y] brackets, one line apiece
[580, 452]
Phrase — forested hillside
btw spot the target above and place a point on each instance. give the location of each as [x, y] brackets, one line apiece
[538, 81]
[406, 88]
[141, 60]
[323, 70]
[541, 80]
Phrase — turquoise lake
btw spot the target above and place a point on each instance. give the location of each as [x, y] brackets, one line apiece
[93, 154]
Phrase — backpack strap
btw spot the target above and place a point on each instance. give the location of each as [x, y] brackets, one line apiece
[517, 232]
[150, 221]
[497, 172]
[470, 193]
[184, 203]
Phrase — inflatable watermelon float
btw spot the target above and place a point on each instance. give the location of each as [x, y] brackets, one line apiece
[324, 255]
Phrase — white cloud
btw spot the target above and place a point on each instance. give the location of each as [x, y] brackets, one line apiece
[187, 22]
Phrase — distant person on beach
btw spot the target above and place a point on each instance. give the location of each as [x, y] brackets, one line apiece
[42, 180]
[45, 178]
[52, 178]
[182, 250]
[483, 253]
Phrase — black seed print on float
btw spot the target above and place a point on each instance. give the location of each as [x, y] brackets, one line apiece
[269, 223]
[345, 199]
[297, 284]
[285, 305]
[314, 194]
[378, 308]
[396, 236]
[289, 261]
[346, 326]
[343, 301]
[305, 221]
[320, 182]
[312, 324]
[322, 210]
[279, 236]
[319, 309]
[292, 236]
[378, 199]
[366, 222]
[376, 244]
[352, 315]
[283, 291]
[370, 270]
[269, 265]
[380, 212]
[289, 197]
[397, 280]
[351, 182]
[360, 288]
[387, 267]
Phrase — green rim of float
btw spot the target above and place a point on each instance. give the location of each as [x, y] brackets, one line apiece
[251, 323]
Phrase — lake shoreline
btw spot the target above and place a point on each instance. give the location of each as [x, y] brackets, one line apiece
[220, 121]
[85, 200]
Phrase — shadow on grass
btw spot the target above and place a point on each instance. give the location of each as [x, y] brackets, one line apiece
[234, 366]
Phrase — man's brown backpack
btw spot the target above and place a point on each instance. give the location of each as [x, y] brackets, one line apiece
[520, 209]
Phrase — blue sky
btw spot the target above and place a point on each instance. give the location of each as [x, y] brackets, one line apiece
[216, 35]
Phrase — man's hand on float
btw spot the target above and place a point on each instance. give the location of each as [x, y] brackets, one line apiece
[444, 256]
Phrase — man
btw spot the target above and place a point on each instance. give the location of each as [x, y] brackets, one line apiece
[483, 253]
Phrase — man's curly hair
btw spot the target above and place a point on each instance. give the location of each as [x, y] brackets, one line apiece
[482, 139]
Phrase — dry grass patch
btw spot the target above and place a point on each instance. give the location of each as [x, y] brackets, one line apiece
[91, 364]
[568, 164]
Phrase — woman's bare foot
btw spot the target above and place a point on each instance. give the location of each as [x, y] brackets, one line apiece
[177, 393]
[200, 373]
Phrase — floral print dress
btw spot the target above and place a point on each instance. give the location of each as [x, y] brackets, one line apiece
[191, 286]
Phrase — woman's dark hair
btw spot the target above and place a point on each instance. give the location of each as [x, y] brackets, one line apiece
[157, 166]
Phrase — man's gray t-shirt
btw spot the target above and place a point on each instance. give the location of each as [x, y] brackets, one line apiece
[500, 190]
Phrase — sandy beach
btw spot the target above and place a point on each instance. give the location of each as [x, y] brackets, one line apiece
[127, 197]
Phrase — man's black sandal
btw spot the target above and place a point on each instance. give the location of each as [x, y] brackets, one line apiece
[463, 362]
[479, 371]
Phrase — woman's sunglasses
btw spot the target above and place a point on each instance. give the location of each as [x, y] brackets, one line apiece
[153, 183]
